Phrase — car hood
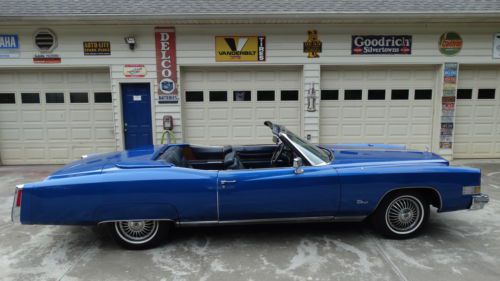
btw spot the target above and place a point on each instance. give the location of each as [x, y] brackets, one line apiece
[359, 153]
[94, 163]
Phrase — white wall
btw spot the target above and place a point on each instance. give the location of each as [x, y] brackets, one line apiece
[195, 47]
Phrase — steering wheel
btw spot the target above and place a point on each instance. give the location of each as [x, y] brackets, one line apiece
[276, 154]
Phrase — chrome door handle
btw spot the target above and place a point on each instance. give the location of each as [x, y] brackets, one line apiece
[227, 181]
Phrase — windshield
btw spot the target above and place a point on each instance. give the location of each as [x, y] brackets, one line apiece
[314, 154]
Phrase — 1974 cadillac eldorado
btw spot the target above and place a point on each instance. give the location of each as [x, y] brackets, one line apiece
[139, 195]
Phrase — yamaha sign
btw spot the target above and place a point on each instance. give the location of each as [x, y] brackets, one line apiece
[381, 45]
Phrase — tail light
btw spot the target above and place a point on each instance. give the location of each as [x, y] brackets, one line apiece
[19, 196]
[16, 206]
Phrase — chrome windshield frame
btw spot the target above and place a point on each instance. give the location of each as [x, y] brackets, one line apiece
[298, 150]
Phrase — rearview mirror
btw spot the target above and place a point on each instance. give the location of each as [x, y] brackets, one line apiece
[297, 164]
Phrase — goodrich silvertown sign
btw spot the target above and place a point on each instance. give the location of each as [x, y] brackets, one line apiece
[381, 45]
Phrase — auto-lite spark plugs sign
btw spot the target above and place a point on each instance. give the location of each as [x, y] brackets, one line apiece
[166, 65]
[381, 45]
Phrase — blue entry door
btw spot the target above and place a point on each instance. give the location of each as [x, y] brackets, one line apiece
[278, 193]
[136, 99]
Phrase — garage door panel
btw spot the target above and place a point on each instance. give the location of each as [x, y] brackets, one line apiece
[80, 115]
[59, 153]
[218, 114]
[31, 115]
[398, 130]
[422, 111]
[266, 113]
[57, 134]
[80, 133]
[375, 112]
[352, 112]
[7, 116]
[10, 134]
[288, 113]
[398, 112]
[104, 133]
[55, 115]
[242, 132]
[33, 134]
[195, 114]
[375, 130]
[103, 115]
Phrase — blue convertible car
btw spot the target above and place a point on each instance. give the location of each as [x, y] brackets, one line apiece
[141, 194]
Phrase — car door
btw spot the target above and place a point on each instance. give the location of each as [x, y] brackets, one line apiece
[276, 193]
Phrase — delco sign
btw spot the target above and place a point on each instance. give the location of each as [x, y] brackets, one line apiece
[381, 45]
[9, 46]
[166, 65]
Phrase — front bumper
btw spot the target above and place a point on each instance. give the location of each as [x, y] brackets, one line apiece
[478, 201]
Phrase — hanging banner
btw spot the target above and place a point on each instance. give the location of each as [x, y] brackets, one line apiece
[166, 65]
[381, 45]
[9, 46]
[448, 105]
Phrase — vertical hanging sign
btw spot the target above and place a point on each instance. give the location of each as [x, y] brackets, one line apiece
[448, 105]
[166, 65]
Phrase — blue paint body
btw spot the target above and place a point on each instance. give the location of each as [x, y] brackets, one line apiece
[132, 185]
[136, 99]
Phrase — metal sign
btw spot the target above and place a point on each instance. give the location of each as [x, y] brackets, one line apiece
[96, 48]
[450, 43]
[134, 70]
[240, 48]
[9, 46]
[166, 65]
[313, 46]
[496, 46]
[381, 45]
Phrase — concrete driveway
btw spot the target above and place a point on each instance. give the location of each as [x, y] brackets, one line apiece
[457, 246]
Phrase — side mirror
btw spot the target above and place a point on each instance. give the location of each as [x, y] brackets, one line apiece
[297, 164]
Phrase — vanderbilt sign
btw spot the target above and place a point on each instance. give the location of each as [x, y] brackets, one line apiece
[240, 48]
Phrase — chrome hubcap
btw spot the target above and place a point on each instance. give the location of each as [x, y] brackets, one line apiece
[136, 232]
[404, 214]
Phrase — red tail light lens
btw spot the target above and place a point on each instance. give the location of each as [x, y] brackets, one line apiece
[18, 198]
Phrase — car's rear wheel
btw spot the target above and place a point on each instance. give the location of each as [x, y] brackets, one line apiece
[138, 235]
[401, 215]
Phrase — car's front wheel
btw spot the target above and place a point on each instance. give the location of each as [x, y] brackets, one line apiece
[401, 215]
[138, 235]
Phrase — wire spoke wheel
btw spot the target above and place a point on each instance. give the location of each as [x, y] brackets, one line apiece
[404, 214]
[137, 232]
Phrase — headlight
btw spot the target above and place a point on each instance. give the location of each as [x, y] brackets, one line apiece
[472, 189]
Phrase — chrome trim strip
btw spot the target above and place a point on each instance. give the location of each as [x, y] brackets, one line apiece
[197, 223]
[300, 152]
[350, 218]
[412, 187]
[108, 221]
[280, 220]
[274, 220]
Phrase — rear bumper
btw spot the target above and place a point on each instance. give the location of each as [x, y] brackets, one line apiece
[478, 201]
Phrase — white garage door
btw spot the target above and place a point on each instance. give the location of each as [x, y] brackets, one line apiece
[229, 106]
[477, 121]
[54, 116]
[377, 105]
